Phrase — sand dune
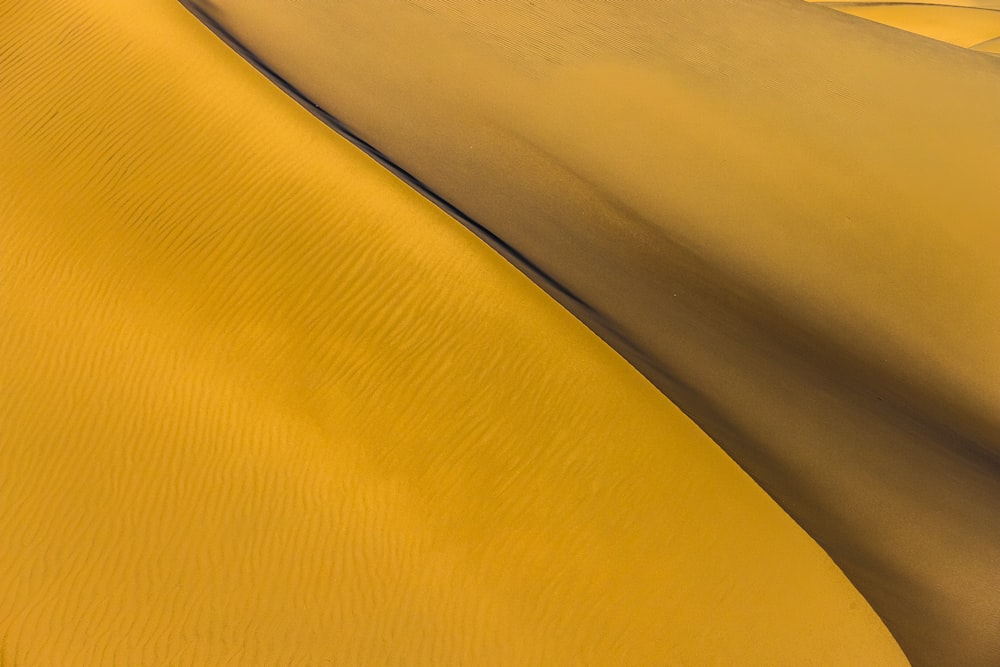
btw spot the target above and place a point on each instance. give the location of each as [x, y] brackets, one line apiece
[263, 404]
[989, 46]
[784, 216]
[964, 23]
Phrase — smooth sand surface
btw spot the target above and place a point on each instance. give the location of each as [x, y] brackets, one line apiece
[989, 46]
[261, 403]
[785, 216]
[962, 23]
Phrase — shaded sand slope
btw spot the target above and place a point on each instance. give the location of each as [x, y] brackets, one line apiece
[784, 216]
[964, 23]
[261, 403]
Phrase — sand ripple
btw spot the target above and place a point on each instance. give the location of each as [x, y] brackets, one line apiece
[785, 217]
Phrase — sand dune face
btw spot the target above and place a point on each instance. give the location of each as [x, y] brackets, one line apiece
[263, 404]
[785, 217]
[989, 46]
[969, 23]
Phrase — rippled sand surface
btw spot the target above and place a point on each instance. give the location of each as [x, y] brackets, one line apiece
[785, 216]
[261, 403]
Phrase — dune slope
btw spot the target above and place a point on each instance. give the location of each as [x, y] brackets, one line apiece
[783, 215]
[261, 403]
[968, 23]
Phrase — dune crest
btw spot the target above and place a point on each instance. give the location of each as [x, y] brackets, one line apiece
[261, 403]
[785, 217]
[969, 23]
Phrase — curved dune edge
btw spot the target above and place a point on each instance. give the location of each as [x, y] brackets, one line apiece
[989, 46]
[967, 24]
[262, 403]
[783, 216]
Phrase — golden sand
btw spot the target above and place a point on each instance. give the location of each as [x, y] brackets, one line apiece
[964, 23]
[261, 403]
[989, 46]
[785, 216]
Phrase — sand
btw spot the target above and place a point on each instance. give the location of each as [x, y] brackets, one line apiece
[965, 23]
[262, 403]
[783, 215]
[989, 46]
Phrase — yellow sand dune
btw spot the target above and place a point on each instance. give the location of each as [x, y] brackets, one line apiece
[261, 403]
[964, 23]
[784, 216]
[989, 46]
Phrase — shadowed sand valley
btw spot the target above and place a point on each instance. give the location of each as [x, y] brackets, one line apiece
[261, 403]
[784, 216]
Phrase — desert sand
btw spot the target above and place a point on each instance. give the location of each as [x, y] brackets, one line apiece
[785, 216]
[969, 23]
[262, 403]
[989, 46]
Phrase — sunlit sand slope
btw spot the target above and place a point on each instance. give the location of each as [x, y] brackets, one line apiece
[261, 403]
[989, 46]
[785, 216]
[964, 23]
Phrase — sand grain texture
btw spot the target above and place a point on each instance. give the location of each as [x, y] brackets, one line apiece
[785, 216]
[261, 403]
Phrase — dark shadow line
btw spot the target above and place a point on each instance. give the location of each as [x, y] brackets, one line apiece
[607, 328]
[528, 267]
